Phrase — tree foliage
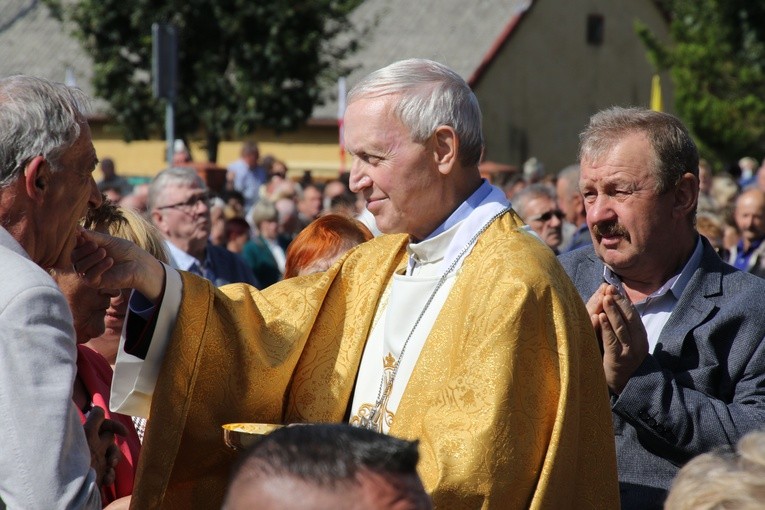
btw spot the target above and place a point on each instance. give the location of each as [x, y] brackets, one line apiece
[717, 64]
[243, 64]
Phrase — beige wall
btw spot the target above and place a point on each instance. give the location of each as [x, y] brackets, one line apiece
[546, 81]
[536, 95]
[314, 148]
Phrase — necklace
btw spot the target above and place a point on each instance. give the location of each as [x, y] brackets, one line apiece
[369, 421]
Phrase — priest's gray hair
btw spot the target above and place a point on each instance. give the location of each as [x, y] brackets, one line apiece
[38, 117]
[430, 95]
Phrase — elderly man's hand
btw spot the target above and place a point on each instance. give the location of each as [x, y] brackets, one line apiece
[104, 452]
[625, 342]
[109, 262]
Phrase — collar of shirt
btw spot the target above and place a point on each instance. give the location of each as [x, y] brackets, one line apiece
[755, 244]
[183, 260]
[676, 284]
[432, 250]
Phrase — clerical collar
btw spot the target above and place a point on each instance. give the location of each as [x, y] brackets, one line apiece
[464, 210]
[676, 284]
[470, 217]
[433, 248]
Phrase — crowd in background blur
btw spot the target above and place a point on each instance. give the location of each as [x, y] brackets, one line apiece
[730, 213]
[261, 209]
[256, 216]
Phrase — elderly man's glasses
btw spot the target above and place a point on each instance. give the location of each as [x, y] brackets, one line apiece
[548, 216]
[188, 206]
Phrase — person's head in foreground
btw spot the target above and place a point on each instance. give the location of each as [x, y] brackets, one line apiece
[327, 466]
[322, 242]
[723, 480]
[413, 129]
[47, 161]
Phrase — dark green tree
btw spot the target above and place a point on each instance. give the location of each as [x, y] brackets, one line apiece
[717, 64]
[243, 64]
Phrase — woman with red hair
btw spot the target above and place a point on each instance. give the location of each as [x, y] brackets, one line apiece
[322, 242]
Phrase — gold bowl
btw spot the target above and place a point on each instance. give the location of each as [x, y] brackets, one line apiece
[240, 436]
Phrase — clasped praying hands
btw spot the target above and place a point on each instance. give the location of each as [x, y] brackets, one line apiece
[621, 333]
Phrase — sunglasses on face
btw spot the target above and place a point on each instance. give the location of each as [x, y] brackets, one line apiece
[548, 216]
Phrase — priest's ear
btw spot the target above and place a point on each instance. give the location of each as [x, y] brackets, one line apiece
[445, 148]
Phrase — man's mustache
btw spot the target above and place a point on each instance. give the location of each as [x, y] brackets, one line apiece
[600, 230]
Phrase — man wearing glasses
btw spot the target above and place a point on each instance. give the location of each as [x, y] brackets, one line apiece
[179, 205]
[537, 206]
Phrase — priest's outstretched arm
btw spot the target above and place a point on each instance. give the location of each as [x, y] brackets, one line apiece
[109, 262]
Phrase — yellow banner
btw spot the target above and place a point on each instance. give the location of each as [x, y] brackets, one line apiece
[656, 102]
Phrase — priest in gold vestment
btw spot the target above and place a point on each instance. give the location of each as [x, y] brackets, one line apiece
[461, 331]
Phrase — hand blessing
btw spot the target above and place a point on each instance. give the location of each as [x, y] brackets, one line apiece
[110, 262]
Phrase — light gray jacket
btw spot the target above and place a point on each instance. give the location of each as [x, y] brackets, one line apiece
[44, 457]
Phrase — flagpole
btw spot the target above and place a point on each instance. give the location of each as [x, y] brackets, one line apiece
[657, 104]
[340, 114]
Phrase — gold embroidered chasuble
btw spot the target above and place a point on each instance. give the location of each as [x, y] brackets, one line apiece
[507, 398]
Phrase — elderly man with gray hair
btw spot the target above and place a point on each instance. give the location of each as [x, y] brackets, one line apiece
[537, 206]
[179, 203]
[571, 202]
[46, 185]
[459, 329]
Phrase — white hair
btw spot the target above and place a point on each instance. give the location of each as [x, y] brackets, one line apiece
[38, 117]
[430, 95]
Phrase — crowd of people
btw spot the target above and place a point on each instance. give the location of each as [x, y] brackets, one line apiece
[591, 338]
[257, 216]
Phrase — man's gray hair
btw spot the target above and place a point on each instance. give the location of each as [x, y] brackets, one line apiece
[570, 175]
[38, 117]
[431, 95]
[177, 175]
[675, 154]
[529, 193]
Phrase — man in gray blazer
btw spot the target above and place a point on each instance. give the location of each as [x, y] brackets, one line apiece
[47, 157]
[681, 331]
